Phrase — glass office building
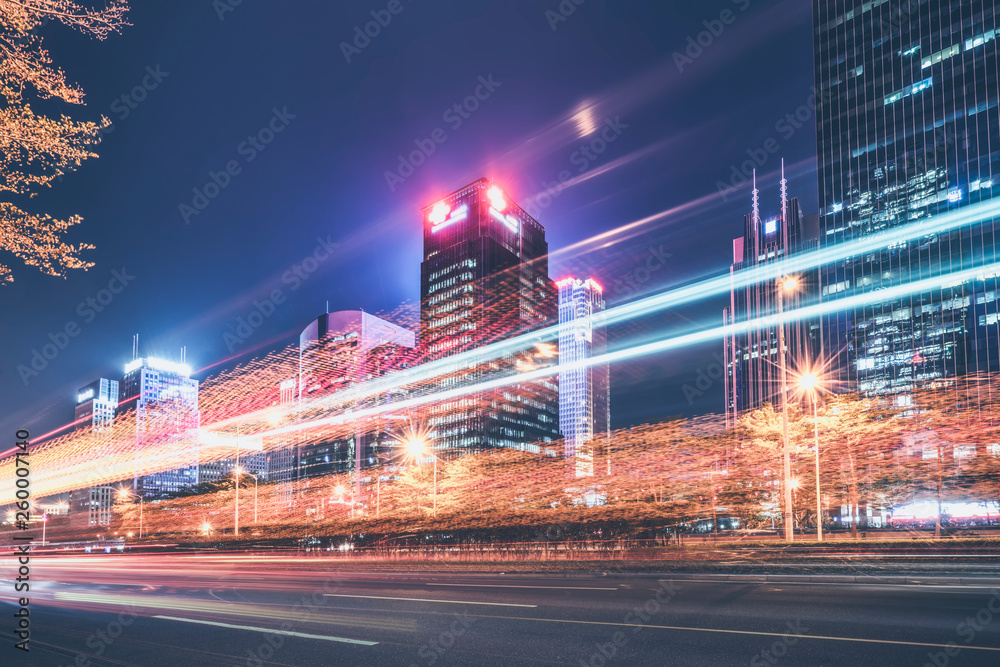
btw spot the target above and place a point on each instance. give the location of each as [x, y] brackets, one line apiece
[752, 357]
[96, 406]
[485, 279]
[908, 128]
[584, 399]
[166, 423]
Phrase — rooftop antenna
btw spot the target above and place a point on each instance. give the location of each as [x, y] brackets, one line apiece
[135, 347]
[327, 306]
[184, 354]
[756, 200]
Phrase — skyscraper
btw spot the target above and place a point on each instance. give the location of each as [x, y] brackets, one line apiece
[908, 123]
[283, 458]
[338, 351]
[96, 405]
[752, 358]
[167, 421]
[584, 399]
[485, 278]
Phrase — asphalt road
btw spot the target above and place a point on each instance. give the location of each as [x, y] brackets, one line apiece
[231, 610]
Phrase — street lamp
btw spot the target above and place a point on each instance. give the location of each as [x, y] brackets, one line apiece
[417, 447]
[236, 471]
[124, 494]
[809, 383]
[785, 284]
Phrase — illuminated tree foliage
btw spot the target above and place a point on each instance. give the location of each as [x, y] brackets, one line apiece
[37, 148]
[940, 443]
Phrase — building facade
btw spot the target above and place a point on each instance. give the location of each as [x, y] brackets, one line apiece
[753, 357]
[96, 406]
[908, 124]
[584, 392]
[165, 400]
[484, 278]
[338, 351]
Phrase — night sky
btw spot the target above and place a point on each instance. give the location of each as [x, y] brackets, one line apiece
[553, 82]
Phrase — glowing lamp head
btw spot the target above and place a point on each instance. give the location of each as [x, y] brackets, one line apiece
[795, 483]
[416, 447]
[809, 382]
[339, 490]
[206, 527]
[789, 284]
[496, 197]
[439, 213]
[123, 494]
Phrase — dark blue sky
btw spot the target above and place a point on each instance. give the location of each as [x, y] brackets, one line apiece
[681, 126]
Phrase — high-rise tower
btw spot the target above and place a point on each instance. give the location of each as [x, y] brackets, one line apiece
[908, 123]
[167, 421]
[752, 358]
[485, 278]
[96, 405]
[584, 400]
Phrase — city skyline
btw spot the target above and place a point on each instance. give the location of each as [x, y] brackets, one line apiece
[426, 360]
[201, 308]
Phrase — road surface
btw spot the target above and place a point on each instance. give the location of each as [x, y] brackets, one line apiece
[244, 610]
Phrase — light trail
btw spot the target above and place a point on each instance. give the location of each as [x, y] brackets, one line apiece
[234, 398]
[794, 264]
[664, 345]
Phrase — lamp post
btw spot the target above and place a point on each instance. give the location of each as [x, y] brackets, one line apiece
[810, 383]
[45, 521]
[418, 447]
[785, 284]
[236, 472]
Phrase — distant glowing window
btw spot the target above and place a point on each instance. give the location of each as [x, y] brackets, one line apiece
[912, 89]
[771, 226]
[979, 40]
[935, 58]
[866, 364]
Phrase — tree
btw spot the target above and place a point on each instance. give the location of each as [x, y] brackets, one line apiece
[35, 148]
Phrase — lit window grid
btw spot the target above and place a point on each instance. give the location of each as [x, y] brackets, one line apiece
[870, 181]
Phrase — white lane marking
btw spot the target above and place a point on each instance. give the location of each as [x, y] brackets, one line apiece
[271, 631]
[893, 642]
[973, 587]
[379, 597]
[565, 588]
